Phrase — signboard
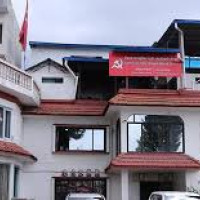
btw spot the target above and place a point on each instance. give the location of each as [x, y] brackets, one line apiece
[145, 64]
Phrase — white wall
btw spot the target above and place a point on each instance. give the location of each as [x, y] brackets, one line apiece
[190, 116]
[65, 90]
[39, 54]
[39, 139]
[134, 189]
[193, 181]
[115, 191]
[190, 81]
[39, 134]
[10, 46]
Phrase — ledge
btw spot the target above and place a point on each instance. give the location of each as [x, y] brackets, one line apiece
[80, 152]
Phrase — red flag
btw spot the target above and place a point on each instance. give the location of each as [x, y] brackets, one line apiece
[24, 29]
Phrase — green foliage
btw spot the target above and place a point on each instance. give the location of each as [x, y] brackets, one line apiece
[160, 133]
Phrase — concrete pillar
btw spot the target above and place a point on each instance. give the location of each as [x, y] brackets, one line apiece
[11, 181]
[123, 136]
[125, 184]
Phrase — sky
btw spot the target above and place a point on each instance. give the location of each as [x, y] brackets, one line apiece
[119, 22]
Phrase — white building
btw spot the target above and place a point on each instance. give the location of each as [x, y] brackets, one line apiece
[16, 90]
[82, 130]
[10, 49]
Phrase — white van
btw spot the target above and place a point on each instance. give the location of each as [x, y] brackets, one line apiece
[174, 195]
[84, 196]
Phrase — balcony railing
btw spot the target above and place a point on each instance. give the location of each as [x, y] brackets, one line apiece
[18, 80]
[16, 76]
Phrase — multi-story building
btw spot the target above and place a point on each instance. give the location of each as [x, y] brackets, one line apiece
[17, 89]
[10, 49]
[87, 127]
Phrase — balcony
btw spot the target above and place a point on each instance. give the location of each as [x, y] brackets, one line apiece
[19, 84]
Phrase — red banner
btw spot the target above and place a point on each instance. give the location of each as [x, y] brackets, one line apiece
[145, 64]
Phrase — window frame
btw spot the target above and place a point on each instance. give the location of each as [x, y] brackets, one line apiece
[118, 137]
[136, 122]
[4, 124]
[52, 80]
[92, 127]
[16, 181]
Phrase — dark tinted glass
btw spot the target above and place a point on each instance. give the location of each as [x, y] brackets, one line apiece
[1, 122]
[1, 33]
[52, 80]
[8, 124]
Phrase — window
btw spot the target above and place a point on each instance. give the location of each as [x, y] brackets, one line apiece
[1, 33]
[1, 122]
[118, 137]
[80, 139]
[52, 80]
[16, 181]
[155, 133]
[5, 123]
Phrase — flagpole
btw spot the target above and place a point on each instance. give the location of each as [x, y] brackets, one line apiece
[23, 35]
[24, 64]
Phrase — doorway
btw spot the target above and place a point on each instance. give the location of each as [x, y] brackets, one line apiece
[146, 188]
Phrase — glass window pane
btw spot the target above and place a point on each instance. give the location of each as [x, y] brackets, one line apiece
[16, 181]
[52, 80]
[157, 133]
[1, 122]
[176, 138]
[98, 139]
[8, 124]
[83, 141]
[1, 33]
[134, 136]
[140, 118]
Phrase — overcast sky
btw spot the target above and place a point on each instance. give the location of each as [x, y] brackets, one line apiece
[127, 22]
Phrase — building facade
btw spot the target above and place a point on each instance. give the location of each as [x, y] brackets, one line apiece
[10, 49]
[67, 125]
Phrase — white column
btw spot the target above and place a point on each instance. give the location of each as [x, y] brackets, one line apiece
[125, 184]
[123, 136]
[11, 181]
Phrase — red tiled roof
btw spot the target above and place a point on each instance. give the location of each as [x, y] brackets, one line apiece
[154, 160]
[147, 97]
[12, 148]
[71, 108]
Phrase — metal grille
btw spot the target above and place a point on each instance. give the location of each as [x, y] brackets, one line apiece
[68, 185]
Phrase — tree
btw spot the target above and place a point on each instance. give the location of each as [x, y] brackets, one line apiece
[160, 133]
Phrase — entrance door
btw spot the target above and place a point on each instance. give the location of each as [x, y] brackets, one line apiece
[146, 188]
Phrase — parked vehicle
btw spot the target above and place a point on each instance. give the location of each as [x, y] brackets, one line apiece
[173, 195]
[84, 196]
